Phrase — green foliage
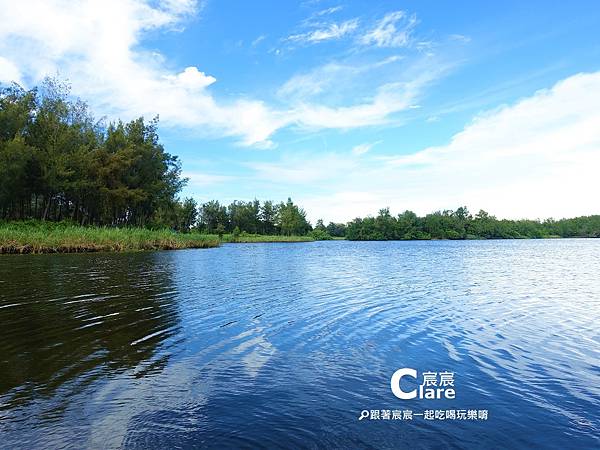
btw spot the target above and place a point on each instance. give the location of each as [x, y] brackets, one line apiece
[245, 215]
[213, 215]
[220, 230]
[268, 217]
[291, 219]
[460, 224]
[257, 238]
[337, 230]
[57, 162]
[50, 237]
[319, 234]
[250, 217]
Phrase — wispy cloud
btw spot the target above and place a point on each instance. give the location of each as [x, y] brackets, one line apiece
[339, 75]
[460, 37]
[389, 99]
[313, 82]
[361, 149]
[327, 11]
[182, 7]
[325, 32]
[258, 40]
[393, 30]
[319, 98]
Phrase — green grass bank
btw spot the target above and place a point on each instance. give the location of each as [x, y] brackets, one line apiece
[256, 238]
[52, 237]
[47, 237]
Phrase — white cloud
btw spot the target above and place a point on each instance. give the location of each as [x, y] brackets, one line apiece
[98, 47]
[334, 76]
[537, 158]
[318, 98]
[328, 11]
[314, 82]
[191, 78]
[394, 30]
[180, 7]
[325, 32]
[389, 99]
[258, 40]
[361, 149]
[9, 72]
[460, 38]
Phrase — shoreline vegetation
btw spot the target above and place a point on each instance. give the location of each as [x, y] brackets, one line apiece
[460, 224]
[24, 237]
[71, 183]
[245, 238]
[48, 237]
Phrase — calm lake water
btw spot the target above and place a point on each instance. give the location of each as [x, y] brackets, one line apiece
[283, 345]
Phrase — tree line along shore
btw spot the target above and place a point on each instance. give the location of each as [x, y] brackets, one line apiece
[70, 183]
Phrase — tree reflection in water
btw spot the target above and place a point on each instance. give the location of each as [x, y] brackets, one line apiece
[68, 320]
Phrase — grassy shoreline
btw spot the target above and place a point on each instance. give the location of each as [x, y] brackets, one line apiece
[24, 237]
[48, 237]
[262, 238]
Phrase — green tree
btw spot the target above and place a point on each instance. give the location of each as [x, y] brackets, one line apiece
[213, 215]
[268, 218]
[292, 219]
[336, 229]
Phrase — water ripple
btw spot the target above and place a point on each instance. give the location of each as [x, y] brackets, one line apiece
[264, 346]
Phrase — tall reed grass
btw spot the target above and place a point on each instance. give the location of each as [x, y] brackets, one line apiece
[46, 237]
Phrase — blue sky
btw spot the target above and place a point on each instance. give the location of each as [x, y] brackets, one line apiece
[346, 106]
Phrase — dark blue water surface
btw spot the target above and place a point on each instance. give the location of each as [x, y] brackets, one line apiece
[283, 345]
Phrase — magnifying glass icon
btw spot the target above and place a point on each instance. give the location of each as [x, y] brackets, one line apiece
[363, 414]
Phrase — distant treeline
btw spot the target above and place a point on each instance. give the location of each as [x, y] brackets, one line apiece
[461, 224]
[253, 217]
